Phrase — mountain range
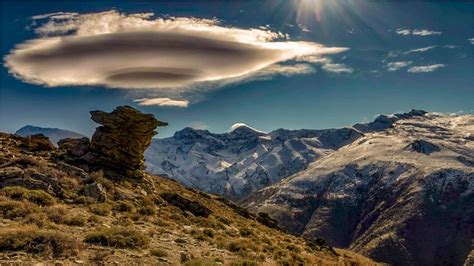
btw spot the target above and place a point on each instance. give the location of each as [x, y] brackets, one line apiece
[403, 195]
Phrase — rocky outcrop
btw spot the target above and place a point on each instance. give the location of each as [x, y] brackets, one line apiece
[117, 146]
[95, 191]
[122, 139]
[423, 146]
[37, 142]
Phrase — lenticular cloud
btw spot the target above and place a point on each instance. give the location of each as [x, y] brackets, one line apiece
[140, 51]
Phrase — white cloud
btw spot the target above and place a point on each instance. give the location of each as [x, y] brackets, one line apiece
[403, 32]
[57, 15]
[424, 69]
[417, 32]
[140, 51]
[162, 102]
[337, 68]
[425, 32]
[394, 66]
[303, 28]
[471, 40]
[420, 50]
[237, 125]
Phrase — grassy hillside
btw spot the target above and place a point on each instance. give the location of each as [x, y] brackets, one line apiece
[55, 212]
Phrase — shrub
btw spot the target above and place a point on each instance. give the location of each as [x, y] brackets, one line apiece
[123, 206]
[13, 209]
[147, 208]
[31, 240]
[119, 237]
[180, 240]
[36, 196]
[200, 262]
[208, 233]
[75, 220]
[244, 263]
[38, 218]
[56, 214]
[235, 247]
[245, 232]
[158, 253]
[102, 209]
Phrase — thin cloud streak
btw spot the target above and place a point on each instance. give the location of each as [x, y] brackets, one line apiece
[417, 32]
[425, 69]
[162, 102]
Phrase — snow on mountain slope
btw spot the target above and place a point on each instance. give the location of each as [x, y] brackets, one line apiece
[236, 163]
[403, 195]
[54, 134]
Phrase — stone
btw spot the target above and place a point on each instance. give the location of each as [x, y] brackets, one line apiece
[95, 191]
[75, 147]
[122, 139]
[117, 146]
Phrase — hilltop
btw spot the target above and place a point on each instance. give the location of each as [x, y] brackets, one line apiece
[69, 205]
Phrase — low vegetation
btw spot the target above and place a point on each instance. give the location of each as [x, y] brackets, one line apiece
[118, 237]
[32, 240]
[145, 222]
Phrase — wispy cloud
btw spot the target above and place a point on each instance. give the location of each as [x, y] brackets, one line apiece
[420, 50]
[141, 51]
[303, 28]
[471, 40]
[337, 68]
[424, 69]
[394, 66]
[162, 102]
[393, 54]
[417, 32]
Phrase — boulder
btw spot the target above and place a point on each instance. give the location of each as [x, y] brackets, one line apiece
[95, 191]
[38, 142]
[122, 139]
[117, 146]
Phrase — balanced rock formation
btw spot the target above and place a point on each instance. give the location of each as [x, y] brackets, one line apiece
[117, 147]
[123, 138]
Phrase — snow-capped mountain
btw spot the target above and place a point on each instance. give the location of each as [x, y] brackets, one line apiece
[54, 134]
[239, 162]
[402, 194]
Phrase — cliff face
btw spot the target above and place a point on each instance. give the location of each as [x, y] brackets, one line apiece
[403, 195]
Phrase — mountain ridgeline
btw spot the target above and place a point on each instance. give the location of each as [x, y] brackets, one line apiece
[239, 162]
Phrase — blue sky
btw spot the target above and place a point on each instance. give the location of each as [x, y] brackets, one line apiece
[400, 56]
